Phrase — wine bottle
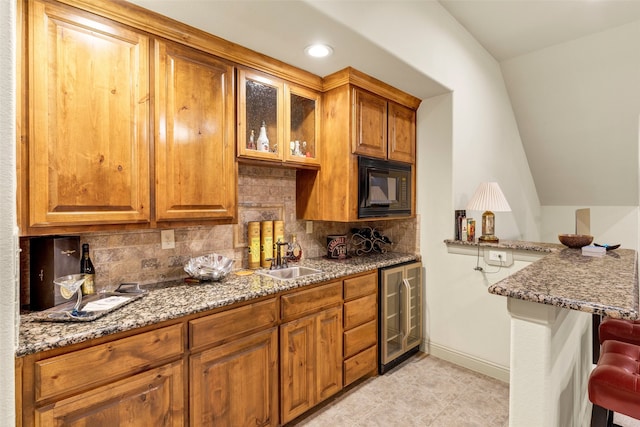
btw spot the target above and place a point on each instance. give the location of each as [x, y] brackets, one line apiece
[86, 268]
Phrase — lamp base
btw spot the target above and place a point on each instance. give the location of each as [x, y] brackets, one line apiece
[488, 239]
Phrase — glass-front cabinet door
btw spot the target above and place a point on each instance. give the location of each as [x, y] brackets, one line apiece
[392, 314]
[260, 116]
[413, 282]
[302, 132]
[277, 121]
[401, 322]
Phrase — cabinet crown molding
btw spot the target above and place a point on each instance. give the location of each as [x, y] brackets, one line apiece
[352, 76]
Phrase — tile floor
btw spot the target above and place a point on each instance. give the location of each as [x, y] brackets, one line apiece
[423, 391]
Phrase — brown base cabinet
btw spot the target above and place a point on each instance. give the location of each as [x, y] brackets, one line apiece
[310, 348]
[311, 355]
[115, 383]
[360, 327]
[261, 363]
[236, 384]
[155, 396]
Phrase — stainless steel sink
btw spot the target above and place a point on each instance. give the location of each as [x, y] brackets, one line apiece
[289, 273]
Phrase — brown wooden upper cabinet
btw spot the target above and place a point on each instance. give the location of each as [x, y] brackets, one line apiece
[88, 134]
[277, 121]
[360, 116]
[401, 133]
[87, 161]
[383, 129]
[194, 135]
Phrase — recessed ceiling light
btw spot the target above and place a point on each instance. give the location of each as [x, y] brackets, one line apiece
[318, 50]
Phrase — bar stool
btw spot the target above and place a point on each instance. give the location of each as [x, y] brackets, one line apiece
[619, 330]
[614, 384]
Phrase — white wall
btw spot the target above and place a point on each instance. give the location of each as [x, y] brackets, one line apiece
[609, 224]
[464, 138]
[577, 105]
[8, 262]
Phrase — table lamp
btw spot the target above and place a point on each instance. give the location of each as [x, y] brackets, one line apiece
[488, 198]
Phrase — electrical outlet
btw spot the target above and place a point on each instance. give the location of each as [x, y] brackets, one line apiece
[309, 227]
[497, 256]
[168, 239]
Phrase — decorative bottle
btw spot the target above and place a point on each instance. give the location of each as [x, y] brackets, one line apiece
[263, 141]
[86, 268]
[251, 145]
[295, 249]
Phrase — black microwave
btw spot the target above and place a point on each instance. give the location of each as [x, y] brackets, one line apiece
[384, 188]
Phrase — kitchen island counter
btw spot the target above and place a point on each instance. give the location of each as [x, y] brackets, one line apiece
[606, 285]
[552, 304]
[172, 300]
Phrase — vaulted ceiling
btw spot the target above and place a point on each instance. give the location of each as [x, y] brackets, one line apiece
[575, 159]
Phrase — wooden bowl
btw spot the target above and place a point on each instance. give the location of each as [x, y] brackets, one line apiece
[575, 240]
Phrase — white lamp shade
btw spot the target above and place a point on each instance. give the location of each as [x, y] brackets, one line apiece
[489, 197]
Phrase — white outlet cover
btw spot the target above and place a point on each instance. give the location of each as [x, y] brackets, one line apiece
[490, 256]
[168, 239]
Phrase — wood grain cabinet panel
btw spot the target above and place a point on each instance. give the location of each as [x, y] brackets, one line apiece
[310, 353]
[102, 363]
[360, 327]
[297, 373]
[401, 133]
[196, 173]
[152, 398]
[224, 326]
[328, 353]
[370, 124]
[361, 285]
[88, 108]
[236, 384]
[360, 338]
[360, 365]
[309, 300]
[360, 311]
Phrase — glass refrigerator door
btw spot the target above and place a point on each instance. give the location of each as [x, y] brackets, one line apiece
[393, 307]
[413, 278]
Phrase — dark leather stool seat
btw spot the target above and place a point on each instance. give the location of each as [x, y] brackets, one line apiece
[615, 383]
[619, 330]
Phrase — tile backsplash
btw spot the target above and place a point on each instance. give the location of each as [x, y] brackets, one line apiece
[264, 193]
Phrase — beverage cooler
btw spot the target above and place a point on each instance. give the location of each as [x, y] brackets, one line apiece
[400, 317]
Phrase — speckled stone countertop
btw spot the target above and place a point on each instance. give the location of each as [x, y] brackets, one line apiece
[565, 278]
[178, 299]
[513, 244]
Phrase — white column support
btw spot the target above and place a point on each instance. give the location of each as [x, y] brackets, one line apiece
[551, 361]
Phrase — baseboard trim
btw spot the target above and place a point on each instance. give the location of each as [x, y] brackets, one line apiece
[470, 362]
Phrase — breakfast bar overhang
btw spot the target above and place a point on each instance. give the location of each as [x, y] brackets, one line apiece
[551, 303]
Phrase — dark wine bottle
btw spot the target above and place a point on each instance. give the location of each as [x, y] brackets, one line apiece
[86, 268]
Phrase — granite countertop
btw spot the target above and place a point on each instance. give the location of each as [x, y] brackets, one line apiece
[177, 299]
[512, 244]
[565, 278]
